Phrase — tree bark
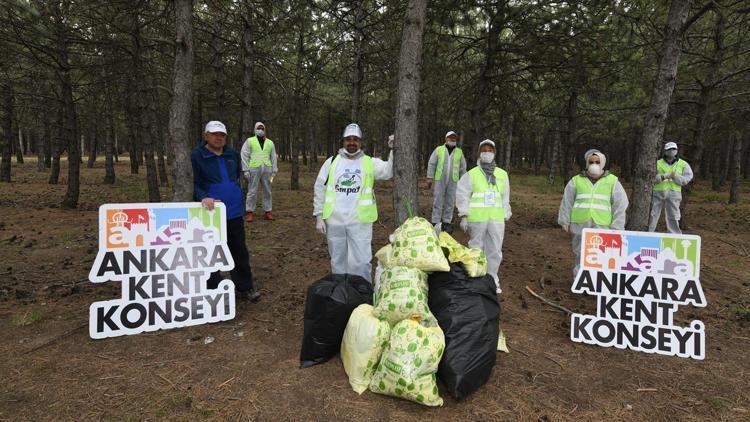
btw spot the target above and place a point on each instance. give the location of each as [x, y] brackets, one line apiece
[358, 70]
[509, 143]
[56, 146]
[247, 56]
[405, 164]
[736, 170]
[5, 151]
[109, 146]
[649, 145]
[93, 140]
[179, 110]
[19, 147]
[554, 160]
[40, 150]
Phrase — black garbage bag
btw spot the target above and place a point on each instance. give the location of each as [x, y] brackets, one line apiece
[330, 301]
[468, 313]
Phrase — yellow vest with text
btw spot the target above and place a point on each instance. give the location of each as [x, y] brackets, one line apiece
[662, 167]
[593, 202]
[480, 210]
[442, 151]
[367, 209]
[259, 155]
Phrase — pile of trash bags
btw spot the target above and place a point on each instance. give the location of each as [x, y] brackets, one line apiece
[434, 314]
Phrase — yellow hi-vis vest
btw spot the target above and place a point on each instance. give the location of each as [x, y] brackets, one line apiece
[259, 156]
[662, 167]
[593, 202]
[486, 202]
[442, 151]
[367, 210]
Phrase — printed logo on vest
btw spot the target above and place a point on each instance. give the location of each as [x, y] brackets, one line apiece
[350, 182]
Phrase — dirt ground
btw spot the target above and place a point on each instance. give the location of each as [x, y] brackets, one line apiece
[51, 369]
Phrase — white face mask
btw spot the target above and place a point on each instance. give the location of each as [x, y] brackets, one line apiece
[671, 153]
[594, 170]
[487, 157]
[351, 154]
[450, 143]
[260, 133]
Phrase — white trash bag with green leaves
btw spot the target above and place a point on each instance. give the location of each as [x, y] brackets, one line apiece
[408, 365]
[402, 294]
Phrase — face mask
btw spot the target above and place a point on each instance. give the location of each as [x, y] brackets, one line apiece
[487, 157]
[450, 143]
[260, 133]
[671, 153]
[594, 170]
[351, 154]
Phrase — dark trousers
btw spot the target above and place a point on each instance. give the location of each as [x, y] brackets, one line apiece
[241, 274]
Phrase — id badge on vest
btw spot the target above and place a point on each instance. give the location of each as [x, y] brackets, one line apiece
[489, 198]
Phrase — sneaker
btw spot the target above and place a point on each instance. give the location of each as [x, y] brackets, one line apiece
[249, 296]
[499, 290]
[249, 217]
[269, 216]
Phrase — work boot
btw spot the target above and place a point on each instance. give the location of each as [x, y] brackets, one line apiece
[448, 228]
[248, 296]
[269, 216]
[249, 217]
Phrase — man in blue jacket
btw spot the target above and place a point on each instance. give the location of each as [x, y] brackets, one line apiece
[216, 174]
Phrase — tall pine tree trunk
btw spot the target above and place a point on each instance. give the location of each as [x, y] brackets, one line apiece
[405, 164]
[649, 145]
[736, 169]
[56, 146]
[179, 110]
[7, 141]
[247, 56]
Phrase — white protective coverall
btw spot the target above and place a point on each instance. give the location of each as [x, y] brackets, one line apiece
[258, 176]
[619, 202]
[444, 190]
[349, 240]
[487, 236]
[670, 201]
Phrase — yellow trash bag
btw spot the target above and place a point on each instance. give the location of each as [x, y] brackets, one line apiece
[365, 337]
[409, 363]
[474, 259]
[415, 245]
[402, 294]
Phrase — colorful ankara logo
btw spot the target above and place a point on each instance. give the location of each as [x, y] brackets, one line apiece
[639, 280]
[163, 254]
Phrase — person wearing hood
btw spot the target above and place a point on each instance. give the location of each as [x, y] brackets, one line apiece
[483, 202]
[592, 199]
[344, 203]
[672, 173]
[260, 167]
[446, 166]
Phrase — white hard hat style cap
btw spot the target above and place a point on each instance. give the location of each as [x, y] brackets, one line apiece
[451, 133]
[487, 142]
[670, 145]
[215, 126]
[352, 129]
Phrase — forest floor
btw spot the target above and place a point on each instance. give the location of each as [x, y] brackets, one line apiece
[51, 369]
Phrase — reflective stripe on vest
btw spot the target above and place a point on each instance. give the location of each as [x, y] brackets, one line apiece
[259, 156]
[486, 202]
[593, 202]
[662, 167]
[367, 209]
[442, 151]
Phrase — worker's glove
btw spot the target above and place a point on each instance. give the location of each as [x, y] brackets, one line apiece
[660, 177]
[464, 225]
[247, 175]
[320, 225]
[390, 141]
[429, 183]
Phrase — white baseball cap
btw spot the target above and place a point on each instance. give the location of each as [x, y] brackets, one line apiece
[352, 129]
[670, 145]
[215, 126]
[451, 133]
[487, 142]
